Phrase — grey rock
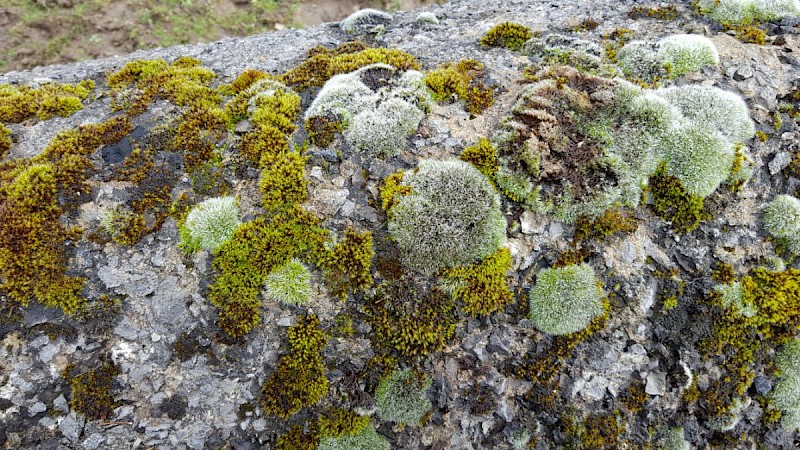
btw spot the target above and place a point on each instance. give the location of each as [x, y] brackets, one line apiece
[656, 383]
[762, 384]
[93, 441]
[506, 410]
[71, 426]
[742, 73]
[286, 321]
[779, 162]
[60, 403]
[36, 408]
[595, 389]
[47, 353]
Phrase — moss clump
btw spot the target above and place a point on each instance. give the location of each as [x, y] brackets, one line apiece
[400, 397]
[323, 63]
[210, 224]
[245, 80]
[610, 223]
[750, 34]
[282, 183]
[597, 431]
[410, 322]
[290, 284]
[723, 273]
[183, 83]
[461, 81]
[5, 140]
[483, 156]
[668, 13]
[786, 395]
[507, 34]
[393, 190]
[297, 439]
[91, 393]
[782, 221]
[587, 24]
[299, 380]
[52, 99]
[565, 300]
[347, 265]
[322, 131]
[671, 202]
[254, 250]
[436, 227]
[482, 286]
[341, 422]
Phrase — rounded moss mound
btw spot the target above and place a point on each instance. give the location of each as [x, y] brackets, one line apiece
[687, 53]
[365, 439]
[401, 398]
[290, 284]
[451, 217]
[698, 157]
[566, 299]
[210, 224]
[748, 11]
[786, 395]
[365, 20]
[782, 220]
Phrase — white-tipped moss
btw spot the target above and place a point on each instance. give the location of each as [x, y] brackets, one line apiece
[383, 131]
[672, 439]
[290, 284]
[732, 295]
[714, 109]
[699, 157]
[210, 224]
[400, 398]
[782, 220]
[427, 17]
[366, 439]
[786, 394]
[365, 20]
[115, 220]
[687, 53]
[451, 217]
[565, 300]
[748, 11]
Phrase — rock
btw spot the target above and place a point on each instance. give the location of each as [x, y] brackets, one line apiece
[779, 162]
[528, 223]
[37, 408]
[743, 73]
[656, 383]
[71, 426]
[595, 389]
[762, 384]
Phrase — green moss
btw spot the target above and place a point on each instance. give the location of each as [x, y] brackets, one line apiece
[255, 249]
[482, 286]
[347, 265]
[401, 398]
[461, 81]
[52, 99]
[323, 63]
[668, 13]
[565, 300]
[245, 80]
[410, 322]
[597, 431]
[723, 273]
[299, 380]
[610, 223]
[482, 155]
[297, 439]
[197, 133]
[671, 202]
[282, 183]
[393, 189]
[91, 393]
[263, 144]
[761, 136]
[5, 140]
[507, 34]
[341, 422]
[290, 284]
[183, 83]
[749, 34]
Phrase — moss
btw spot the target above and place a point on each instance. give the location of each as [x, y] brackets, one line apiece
[597, 431]
[209, 224]
[290, 284]
[91, 392]
[482, 286]
[794, 166]
[608, 224]
[565, 300]
[299, 380]
[5, 140]
[761, 136]
[197, 133]
[671, 202]
[750, 34]
[410, 322]
[341, 422]
[401, 398]
[507, 34]
[297, 439]
[49, 100]
[347, 265]
[461, 81]
[323, 63]
[634, 396]
[183, 83]
[322, 131]
[393, 189]
[723, 273]
[668, 13]
[255, 249]
[282, 183]
[245, 80]
[482, 155]
[263, 144]
[587, 24]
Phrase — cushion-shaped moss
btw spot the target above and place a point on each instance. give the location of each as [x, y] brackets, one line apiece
[290, 283]
[211, 223]
[565, 299]
[401, 397]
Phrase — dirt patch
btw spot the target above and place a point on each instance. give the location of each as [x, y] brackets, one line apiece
[43, 32]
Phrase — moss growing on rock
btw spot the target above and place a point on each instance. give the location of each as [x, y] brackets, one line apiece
[782, 220]
[786, 395]
[282, 183]
[565, 300]
[451, 217]
[347, 265]
[91, 393]
[481, 286]
[401, 398]
[461, 81]
[5, 140]
[507, 34]
[18, 103]
[290, 284]
[210, 224]
[482, 155]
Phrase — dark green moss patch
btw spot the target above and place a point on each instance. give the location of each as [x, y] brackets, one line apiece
[606, 225]
[461, 81]
[482, 286]
[667, 13]
[671, 202]
[507, 34]
[91, 392]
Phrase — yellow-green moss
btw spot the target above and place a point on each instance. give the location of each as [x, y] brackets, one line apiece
[91, 393]
[198, 131]
[597, 431]
[668, 13]
[18, 103]
[392, 187]
[723, 273]
[615, 40]
[347, 265]
[610, 223]
[184, 83]
[749, 34]
[282, 183]
[297, 439]
[409, 322]
[671, 202]
[482, 286]
[482, 155]
[299, 380]
[323, 63]
[341, 422]
[587, 24]
[245, 80]
[461, 81]
[777, 121]
[761, 136]
[255, 249]
[5, 140]
[263, 145]
[507, 34]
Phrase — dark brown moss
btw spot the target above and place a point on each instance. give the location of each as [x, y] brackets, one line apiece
[668, 13]
[671, 202]
[91, 392]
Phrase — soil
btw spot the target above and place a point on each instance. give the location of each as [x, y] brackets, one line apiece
[43, 32]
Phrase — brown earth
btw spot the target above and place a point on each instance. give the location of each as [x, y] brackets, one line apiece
[42, 32]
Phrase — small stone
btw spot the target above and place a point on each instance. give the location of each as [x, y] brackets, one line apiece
[763, 385]
[595, 389]
[347, 209]
[779, 162]
[528, 223]
[506, 410]
[47, 353]
[37, 408]
[93, 441]
[656, 383]
[259, 425]
[743, 73]
[286, 321]
[71, 426]
[60, 403]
